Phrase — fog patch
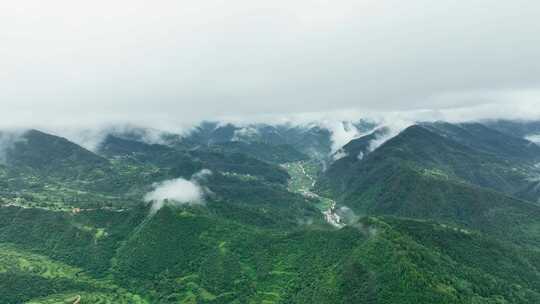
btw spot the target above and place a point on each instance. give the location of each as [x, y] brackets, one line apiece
[339, 154]
[535, 138]
[305, 221]
[391, 129]
[201, 175]
[89, 133]
[347, 215]
[178, 191]
[8, 139]
[369, 231]
[91, 137]
[245, 133]
[379, 141]
[341, 132]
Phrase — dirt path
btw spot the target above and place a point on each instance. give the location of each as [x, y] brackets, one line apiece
[77, 300]
[313, 181]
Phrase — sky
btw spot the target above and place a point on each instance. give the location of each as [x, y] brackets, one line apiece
[171, 63]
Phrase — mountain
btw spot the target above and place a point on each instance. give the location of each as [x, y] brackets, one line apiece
[310, 140]
[48, 154]
[223, 158]
[314, 139]
[488, 140]
[276, 154]
[468, 153]
[432, 172]
[357, 148]
[440, 213]
[379, 261]
[188, 255]
[520, 128]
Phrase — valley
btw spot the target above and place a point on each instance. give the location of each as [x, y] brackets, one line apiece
[303, 181]
[444, 219]
[269, 152]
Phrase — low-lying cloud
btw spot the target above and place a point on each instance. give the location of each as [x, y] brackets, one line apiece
[388, 131]
[342, 132]
[535, 138]
[91, 137]
[178, 191]
[8, 139]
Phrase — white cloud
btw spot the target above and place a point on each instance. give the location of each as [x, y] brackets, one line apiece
[91, 137]
[391, 129]
[245, 133]
[201, 175]
[342, 133]
[535, 138]
[339, 154]
[178, 191]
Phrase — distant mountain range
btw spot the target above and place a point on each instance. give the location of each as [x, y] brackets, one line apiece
[436, 213]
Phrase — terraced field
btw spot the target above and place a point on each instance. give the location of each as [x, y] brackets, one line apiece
[90, 298]
[14, 259]
[17, 263]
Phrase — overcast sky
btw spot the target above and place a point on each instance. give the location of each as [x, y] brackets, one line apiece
[141, 61]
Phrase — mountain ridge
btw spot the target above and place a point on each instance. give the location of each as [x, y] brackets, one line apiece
[439, 213]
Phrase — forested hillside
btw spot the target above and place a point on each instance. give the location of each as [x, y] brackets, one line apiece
[440, 213]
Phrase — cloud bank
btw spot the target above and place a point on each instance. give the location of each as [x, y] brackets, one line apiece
[168, 63]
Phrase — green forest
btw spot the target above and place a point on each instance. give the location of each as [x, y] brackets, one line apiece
[440, 213]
